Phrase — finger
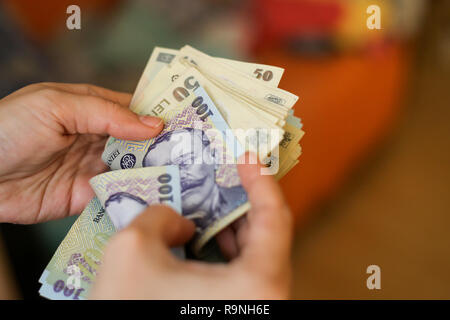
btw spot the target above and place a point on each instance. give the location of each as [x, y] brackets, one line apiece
[240, 228]
[27, 89]
[160, 224]
[270, 227]
[91, 114]
[121, 98]
[239, 223]
[226, 239]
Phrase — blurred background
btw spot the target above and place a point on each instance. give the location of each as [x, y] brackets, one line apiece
[373, 182]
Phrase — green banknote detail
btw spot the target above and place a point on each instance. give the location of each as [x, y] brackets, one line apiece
[74, 266]
[82, 247]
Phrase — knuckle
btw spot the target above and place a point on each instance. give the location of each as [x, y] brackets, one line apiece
[36, 86]
[111, 106]
[89, 89]
[41, 85]
[51, 97]
[49, 93]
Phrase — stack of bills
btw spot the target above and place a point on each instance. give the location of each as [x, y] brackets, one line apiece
[214, 110]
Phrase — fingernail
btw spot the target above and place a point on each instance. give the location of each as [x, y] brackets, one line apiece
[150, 121]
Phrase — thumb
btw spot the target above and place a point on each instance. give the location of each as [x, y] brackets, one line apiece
[270, 221]
[160, 224]
[96, 115]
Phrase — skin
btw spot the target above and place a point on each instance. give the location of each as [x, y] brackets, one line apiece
[51, 139]
[261, 269]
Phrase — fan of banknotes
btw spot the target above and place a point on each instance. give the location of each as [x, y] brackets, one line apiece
[214, 110]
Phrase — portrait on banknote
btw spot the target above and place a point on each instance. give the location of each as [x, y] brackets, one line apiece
[203, 199]
[123, 207]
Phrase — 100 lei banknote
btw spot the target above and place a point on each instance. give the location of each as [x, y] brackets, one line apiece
[126, 193]
[200, 142]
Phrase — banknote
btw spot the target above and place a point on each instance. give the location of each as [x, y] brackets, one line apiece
[197, 139]
[71, 272]
[160, 57]
[247, 111]
[234, 111]
[289, 148]
[214, 109]
[293, 120]
[262, 96]
[126, 193]
[81, 250]
[227, 104]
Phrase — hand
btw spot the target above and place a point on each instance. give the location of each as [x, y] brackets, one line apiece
[138, 263]
[51, 140]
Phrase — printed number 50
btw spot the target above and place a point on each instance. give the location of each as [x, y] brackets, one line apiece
[266, 76]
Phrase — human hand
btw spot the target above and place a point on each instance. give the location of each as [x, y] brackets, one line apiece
[51, 139]
[138, 263]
